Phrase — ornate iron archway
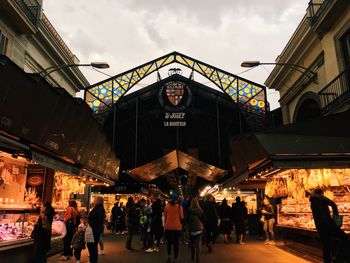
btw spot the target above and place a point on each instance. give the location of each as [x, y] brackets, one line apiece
[250, 96]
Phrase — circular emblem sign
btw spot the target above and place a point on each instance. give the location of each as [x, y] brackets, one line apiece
[175, 96]
[35, 180]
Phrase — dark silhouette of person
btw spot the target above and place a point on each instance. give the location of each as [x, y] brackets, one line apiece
[326, 227]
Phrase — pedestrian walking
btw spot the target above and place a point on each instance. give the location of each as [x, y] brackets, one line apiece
[327, 228]
[211, 223]
[145, 226]
[96, 220]
[70, 219]
[121, 219]
[101, 243]
[78, 242]
[195, 221]
[156, 224]
[225, 220]
[239, 215]
[131, 221]
[173, 214]
[268, 218]
[114, 215]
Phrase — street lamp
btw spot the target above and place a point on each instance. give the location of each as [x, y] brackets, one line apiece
[44, 73]
[301, 69]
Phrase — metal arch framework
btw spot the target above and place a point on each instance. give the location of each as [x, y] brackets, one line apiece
[248, 95]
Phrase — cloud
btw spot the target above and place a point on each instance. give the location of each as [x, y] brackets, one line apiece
[128, 33]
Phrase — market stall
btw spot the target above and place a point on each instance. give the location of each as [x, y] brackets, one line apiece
[23, 187]
[294, 216]
[293, 166]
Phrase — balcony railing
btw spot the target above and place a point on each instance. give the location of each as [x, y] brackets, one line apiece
[315, 8]
[336, 93]
[31, 8]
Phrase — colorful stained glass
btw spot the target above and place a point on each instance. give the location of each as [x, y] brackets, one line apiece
[250, 95]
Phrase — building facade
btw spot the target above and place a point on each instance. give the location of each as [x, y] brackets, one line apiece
[314, 79]
[29, 39]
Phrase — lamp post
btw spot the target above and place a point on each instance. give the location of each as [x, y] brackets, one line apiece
[44, 73]
[301, 69]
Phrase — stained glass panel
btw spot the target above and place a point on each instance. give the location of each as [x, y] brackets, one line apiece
[250, 95]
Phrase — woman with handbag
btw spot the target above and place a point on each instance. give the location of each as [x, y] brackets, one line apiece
[96, 221]
[70, 220]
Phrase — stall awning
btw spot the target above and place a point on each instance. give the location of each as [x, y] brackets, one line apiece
[173, 160]
[321, 143]
[49, 118]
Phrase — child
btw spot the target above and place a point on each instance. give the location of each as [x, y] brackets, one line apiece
[78, 242]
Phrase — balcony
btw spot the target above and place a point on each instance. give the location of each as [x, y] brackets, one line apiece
[336, 94]
[31, 8]
[323, 14]
[24, 15]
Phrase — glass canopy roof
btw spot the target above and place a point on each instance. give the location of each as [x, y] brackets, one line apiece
[249, 95]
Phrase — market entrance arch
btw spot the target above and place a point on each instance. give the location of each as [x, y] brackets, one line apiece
[135, 123]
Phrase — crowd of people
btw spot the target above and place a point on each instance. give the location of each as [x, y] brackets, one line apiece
[193, 221]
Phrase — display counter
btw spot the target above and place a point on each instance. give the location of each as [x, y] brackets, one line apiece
[294, 216]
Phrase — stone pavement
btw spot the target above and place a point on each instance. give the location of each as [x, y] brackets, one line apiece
[253, 251]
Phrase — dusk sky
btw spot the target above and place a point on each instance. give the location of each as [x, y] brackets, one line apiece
[222, 33]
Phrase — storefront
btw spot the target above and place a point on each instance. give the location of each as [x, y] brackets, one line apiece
[122, 191]
[51, 150]
[293, 188]
[24, 186]
[293, 164]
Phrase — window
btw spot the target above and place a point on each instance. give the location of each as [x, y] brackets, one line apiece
[3, 43]
[345, 45]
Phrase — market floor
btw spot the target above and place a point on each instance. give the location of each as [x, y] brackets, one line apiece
[252, 251]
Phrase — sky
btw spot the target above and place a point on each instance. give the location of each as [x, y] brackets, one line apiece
[222, 33]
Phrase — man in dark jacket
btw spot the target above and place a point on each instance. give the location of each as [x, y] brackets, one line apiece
[96, 220]
[326, 227]
[114, 217]
[131, 221]
[211, 223]
[42, 234]
[239, 215]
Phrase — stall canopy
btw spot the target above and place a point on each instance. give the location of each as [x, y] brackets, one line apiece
[51, 122]
[320, 143]
[174, 160]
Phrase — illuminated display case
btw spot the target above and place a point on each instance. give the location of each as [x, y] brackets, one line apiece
[16, 226]
[297, 213]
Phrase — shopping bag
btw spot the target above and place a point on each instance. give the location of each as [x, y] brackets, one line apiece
[89, 235]
[338, 220]
[58, 229]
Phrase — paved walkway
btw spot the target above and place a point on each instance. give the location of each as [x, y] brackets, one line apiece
[252, 251]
